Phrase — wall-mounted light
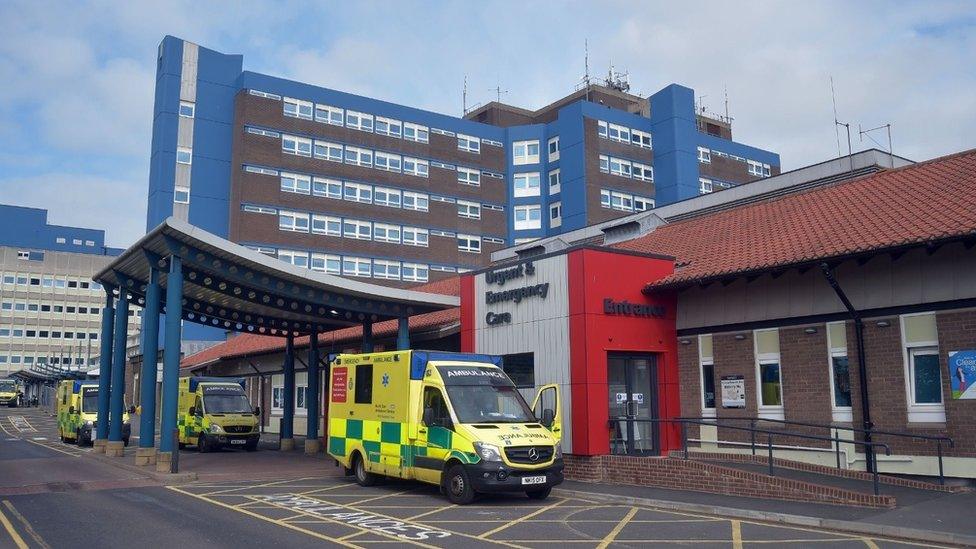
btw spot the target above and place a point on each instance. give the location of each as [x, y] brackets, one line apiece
[740, 337]
[883, 324]
[810, 330]
[685, 341]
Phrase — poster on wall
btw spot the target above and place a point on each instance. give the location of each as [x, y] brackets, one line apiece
[962, 374]
[733, 392]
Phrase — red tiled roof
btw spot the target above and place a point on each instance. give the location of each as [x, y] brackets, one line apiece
[926, 202]
[251, 344]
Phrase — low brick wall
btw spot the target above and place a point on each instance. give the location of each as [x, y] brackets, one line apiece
[698, 476]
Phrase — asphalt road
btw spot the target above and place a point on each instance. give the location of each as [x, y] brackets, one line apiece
[54, 495]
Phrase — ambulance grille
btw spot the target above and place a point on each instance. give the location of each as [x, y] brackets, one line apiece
[238, 428]
[520, 454]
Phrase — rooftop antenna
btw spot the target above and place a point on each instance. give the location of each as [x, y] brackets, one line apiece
[619, 81]
[850, 155]
[728, 117]
[833, 100]
[586, 67]
[498, 92]
[862, 133]
[464, 97]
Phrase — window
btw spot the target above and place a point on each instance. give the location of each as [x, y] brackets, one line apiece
[467, 176]
[704, 155]
[601, 128]
[325, 263]
[292, 221]
[520, 368]
[415, 272]
[329, 226]
[388, 162]
[840, 375]
[704, 185]
[413, 236]
[527, 184]
[620, 167]
[554, 149]
[414, 166]
[923, 375]
[359, 157]
[619, 201]
[525, 152]
[89, 243]
[386, 269]
[768, 374]
[356, 266]
[181, 194]
[184, 155]
[294, 183]
[328, 115]
[297, 108]
[468, 143]
[328, 151]
[383, 232]
[259, 209]
[528, 217]
[357, 192]
[604, 198]
[386, 197]
[642, 204]
[556, 214]
[619, 133]
[758, 169]
[388, 126]
[299, 259]
[415, 201]
[643, 172]
[554, 181]
[353, 228]
[468, 210]
[187, 109]
[296, 145]
[707, 374]
[469, 243]
[329, 188]
[604, 163]
[359, 121]
[415, 132]
[641, 139]
[364, 384]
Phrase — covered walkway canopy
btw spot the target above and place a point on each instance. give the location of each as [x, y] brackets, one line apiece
[231, 287]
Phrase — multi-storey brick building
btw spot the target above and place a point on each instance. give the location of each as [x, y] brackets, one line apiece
[49, 305]
[356, 186]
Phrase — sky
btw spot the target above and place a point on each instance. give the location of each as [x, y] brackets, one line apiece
[76, 98]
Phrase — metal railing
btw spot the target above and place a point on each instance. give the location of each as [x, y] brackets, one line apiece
[684, 422]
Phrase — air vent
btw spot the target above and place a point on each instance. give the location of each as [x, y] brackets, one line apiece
[485, 426]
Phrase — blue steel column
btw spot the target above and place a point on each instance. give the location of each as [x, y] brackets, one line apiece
[118, 368]
[104, 369]
[367, 337]
[150, 351]
[288, 396]
[171, 360]
[312, 395]
[403, 333]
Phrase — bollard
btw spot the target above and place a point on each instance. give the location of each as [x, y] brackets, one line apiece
[174, 462]
[684, 438]
[769, 443]
[837, 446]
[281, 430]
[752, 426]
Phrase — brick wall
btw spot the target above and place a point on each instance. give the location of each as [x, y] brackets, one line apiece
[689, 380]
[957, 331]
[806, 381]
[734, 357]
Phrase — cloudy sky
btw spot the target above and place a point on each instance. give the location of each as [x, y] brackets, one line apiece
[76, 79]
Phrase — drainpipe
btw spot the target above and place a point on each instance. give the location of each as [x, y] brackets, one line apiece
[862, 370]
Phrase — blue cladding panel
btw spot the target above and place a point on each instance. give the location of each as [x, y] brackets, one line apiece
[162, 166]
[675, 135]
[28, 228]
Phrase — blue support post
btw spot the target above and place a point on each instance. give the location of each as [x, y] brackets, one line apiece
[150, 350]
[367, 337]
[403, 333]
[171, 360]
[118, 368]
[288, 396]
[312, 395]
[104, 370]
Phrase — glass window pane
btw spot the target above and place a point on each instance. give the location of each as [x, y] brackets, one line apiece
[928, 381]
[708, 385]
[842, 382]
[769, 377]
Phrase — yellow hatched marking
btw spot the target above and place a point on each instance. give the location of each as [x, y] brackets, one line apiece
[521, 519]
[616, 529]
[870, 543]
[384, 496]
[438, 510]
[65, 452]
[736, 534]
[18, 541]
[27, 525]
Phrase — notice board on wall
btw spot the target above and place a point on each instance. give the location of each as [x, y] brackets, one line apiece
[733, 392]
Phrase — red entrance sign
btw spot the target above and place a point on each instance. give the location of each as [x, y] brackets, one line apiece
[339, 380]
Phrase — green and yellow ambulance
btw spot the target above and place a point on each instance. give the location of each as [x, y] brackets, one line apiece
[454, 420]
[9, 393]
[78, 412]
[215, 412]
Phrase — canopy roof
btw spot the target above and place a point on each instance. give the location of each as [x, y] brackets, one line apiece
[232, 287]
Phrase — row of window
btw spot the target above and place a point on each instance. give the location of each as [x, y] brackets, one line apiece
[49, 308]
[624, 202]
[30, 255]
[26, 359]
[46, 334]
[75, 241]
[706, 185]
[755, 168]
[626, 168]
[356, 156]
[50, 282]
[623, 134]
[357, 266]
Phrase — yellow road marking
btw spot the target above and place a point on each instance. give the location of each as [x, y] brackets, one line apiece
[870, 543]
[380, 497]
[616, 529]
[736, 534]
[65, 452]
[438, 510]
[518, 520]
[5, 429]
[18, 541]
[27, 525]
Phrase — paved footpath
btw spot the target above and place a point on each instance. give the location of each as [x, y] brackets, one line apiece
[55, 495]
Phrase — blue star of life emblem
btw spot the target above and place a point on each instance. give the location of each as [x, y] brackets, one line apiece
[386, 379]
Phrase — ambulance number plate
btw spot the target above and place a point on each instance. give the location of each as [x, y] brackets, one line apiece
[238, 441]
[534, 480]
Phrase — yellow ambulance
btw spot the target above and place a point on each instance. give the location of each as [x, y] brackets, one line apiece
[78, 412]
[9, 393]
[454, 420]
[215, 412]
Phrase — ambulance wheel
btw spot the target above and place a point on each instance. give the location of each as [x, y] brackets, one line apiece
[78, 437]
[458, 485]
[363, 477]
[251, 446]
[539, 494]
[202, 445]
[182, 445]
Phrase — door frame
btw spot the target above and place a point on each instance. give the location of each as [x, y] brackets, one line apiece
[652, 392]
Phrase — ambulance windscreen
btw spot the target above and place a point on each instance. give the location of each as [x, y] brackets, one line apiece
[89, 400]
[7, 386]
[484, 395]
[225, 399]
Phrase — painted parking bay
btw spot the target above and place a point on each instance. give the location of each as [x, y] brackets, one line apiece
[341, 513]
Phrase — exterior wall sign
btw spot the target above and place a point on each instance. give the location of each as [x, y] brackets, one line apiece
[733, 392]
[962, 374]
[501, 276]
[515, 295]
[611, 307]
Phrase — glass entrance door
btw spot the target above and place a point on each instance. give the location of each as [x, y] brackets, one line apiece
[632, 385]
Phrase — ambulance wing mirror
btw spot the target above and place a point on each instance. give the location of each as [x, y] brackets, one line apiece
[71, 410]
[548, 417]
[192, 411]
[428, 417]
[257, 411]
[132, 409]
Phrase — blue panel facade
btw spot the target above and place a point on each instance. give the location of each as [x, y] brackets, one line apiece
[28, 228]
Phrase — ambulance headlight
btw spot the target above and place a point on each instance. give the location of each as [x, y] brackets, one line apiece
[558, 452]
[214, 428]
[90, 424]
[488, 452]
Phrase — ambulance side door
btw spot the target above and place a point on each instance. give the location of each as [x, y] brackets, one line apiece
[434, 433]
